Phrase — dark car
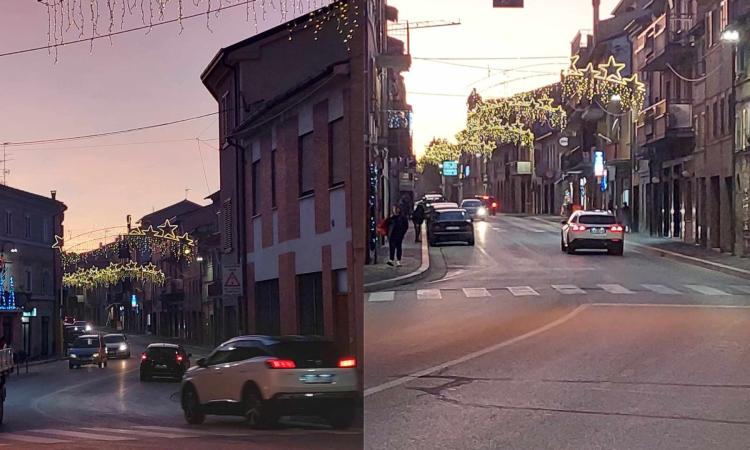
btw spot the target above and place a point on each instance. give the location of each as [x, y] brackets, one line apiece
[450, 225]
[88, 349]
[164, 360]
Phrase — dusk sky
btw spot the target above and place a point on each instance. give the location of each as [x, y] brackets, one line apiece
[141, 79]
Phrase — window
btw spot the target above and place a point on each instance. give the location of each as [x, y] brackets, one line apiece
[27, 227]
[8, 222]
[45, 283]
[267, 311]
[715, 132]
[306, 165]
[45, 231]
[220, 356]
[337, 151]
[723, 129]
[310, 303]
[226, 223]
[224, 117]
[255, 173]
[28, 280]
[273, 178]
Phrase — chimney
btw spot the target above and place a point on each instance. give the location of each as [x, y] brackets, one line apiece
[53, 194]
[597, 7]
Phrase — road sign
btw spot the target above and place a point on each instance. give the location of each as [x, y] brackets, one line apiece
[507, 3]
[564, 141]
[232, 279]
[450, 168]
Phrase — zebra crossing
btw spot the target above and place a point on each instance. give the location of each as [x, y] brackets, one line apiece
[59, 436]
[561, 289]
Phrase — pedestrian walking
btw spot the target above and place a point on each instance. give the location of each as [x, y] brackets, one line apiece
[417, 217]
[625, 217]
[397, 226]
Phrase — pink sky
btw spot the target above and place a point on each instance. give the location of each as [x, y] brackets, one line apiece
[143, 79]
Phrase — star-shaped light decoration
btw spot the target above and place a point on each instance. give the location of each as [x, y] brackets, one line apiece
[573, 70]
[611, 71]
[169, 235]
[137, 232]
[186, 239]
[59, 242]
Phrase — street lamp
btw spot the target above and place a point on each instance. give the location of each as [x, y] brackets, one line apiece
[732, 37]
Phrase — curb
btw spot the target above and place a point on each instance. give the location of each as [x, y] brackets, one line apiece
[408, 278]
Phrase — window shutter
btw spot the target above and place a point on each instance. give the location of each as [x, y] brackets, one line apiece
[226, 226]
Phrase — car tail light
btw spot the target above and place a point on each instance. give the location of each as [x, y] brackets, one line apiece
[347, 362]
[143, 357]
[616, 228]
[280, 364]
[179, 358]
[579, 227]
[494, 204]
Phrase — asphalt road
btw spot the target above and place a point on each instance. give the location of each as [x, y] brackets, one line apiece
[515, 344]
[53, 407]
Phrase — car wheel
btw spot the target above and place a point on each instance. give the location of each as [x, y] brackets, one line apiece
[71, 366]
[569, 248]
[617, 250]
[258, 414]
[191, 407]
[470, 242]
[562, 244]
[341, 419]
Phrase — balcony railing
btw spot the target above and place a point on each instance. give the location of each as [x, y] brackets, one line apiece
[657, 121]
[663, 39]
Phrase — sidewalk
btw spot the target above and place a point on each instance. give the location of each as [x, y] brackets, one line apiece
[383, 276]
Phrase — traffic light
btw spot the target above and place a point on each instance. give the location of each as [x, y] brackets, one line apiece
[507, 3]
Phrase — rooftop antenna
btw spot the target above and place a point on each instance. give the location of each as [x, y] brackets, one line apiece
[186, 192]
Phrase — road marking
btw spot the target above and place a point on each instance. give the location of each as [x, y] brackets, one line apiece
[186, 430]
[616, 289]
[522, 291]
[705, 290]
[381, 296]
[80, 435]
[476, 292]
[423, 373]
[743, 289]
[568, 289]
[661, 289]
[669, 305]
[429, 294]
[185, 434]
[31, 439]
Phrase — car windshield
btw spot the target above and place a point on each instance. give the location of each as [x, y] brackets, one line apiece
[452, 216]
[86, 343]
[592, 219]
[307, 353]
[114, 339]
[471, 203]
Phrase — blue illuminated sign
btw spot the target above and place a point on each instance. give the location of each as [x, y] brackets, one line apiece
[133, 301]
[450, 168]
[598, 164]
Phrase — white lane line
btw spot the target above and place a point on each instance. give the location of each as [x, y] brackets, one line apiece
[476, 292]
[381, 296]
[31, 439]
[661, 289]
[616, 289]
[668, 305]
[522, 291]
[568, 289]
[743, 289]
[429, 371]
[705, 290]
[185, 434]
[191, 431]
[80, 435]
[429, 294]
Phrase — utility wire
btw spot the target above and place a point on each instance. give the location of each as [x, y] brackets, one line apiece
[499, 58]
[116, 33]
[121, 144]
[109, 133]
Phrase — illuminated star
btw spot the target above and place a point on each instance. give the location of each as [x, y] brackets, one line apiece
[188, 240]
[172, 228]
[58, 242]
[574, 70]
[137, 232]
[611, 71]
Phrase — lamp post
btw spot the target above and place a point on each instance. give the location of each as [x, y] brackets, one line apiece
[731, 36]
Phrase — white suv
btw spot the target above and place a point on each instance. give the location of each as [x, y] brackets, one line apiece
[592, 230]
[263, 378]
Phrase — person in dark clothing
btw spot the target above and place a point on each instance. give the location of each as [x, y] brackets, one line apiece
[417, 217]
[397, 226]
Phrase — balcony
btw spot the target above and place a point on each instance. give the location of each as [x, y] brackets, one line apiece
[174, 286]
[664, 123]
[520, 167]
[666, 41]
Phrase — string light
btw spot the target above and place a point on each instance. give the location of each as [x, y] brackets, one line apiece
[602, 84]
[112, 274]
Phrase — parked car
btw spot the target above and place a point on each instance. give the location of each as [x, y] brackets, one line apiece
[117, 346]
[88, 349]
[450, 225]
[475, 208]
[438, 206]
[592, 230]
[266, 377]
[164, 361]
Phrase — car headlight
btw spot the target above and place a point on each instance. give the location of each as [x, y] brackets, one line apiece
[73, 355]
[95, 355]
[88, 327]
[123, 347]
[482, 211]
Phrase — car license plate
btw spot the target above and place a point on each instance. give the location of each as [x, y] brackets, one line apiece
[317, 378]
[598, 231]
[452, 228]
[161, 366]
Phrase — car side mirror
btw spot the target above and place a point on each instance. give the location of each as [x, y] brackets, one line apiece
[201, 362]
